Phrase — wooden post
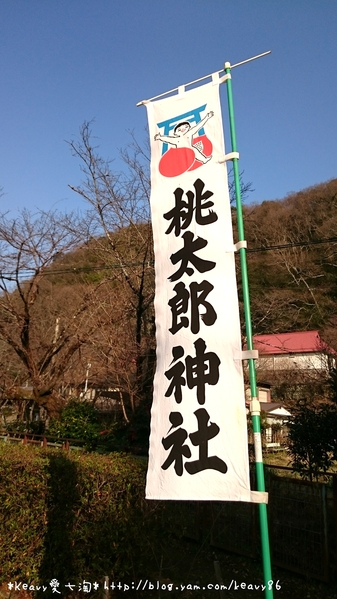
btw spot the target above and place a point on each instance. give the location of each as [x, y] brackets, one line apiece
[106, 592]
[334, 490]
[218, 576]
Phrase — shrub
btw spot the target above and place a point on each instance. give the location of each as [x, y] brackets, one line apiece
[79, 420]
[312, 440]
[70, 516]
[24, 484]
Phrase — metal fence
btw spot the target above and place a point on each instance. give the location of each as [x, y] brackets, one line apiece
[41, 440]
[299, 526]
[302, 525]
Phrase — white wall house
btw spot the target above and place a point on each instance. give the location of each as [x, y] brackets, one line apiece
[303, 350]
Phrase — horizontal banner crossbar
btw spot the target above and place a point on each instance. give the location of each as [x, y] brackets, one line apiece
[181, 88]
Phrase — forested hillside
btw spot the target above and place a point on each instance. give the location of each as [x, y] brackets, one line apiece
[292, 245]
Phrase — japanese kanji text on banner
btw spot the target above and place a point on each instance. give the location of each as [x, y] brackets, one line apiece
[198, 440]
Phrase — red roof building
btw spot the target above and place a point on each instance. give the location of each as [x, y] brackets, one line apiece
[299, 350]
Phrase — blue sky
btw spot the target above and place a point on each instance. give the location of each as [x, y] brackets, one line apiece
[66, 61]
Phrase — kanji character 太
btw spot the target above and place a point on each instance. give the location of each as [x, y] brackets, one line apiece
[186, 255]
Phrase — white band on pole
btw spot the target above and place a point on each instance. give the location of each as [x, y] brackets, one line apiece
[250, 354]
[240, 244]
[255, 407]
[230, 156]
[258, 447]
[259, 497]
[236, 246]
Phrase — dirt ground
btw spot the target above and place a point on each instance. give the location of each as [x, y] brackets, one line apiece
[187, 570]
[192, 565]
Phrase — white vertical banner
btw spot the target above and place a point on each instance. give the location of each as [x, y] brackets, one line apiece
[198, 439]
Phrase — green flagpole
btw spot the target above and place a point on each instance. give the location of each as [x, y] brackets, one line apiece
[255, 404]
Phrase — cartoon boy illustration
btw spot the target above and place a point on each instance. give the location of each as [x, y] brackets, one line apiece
[182, 137]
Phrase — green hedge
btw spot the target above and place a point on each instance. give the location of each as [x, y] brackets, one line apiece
[70, 517]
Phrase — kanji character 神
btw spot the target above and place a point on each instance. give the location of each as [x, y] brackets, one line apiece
[200, 370]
